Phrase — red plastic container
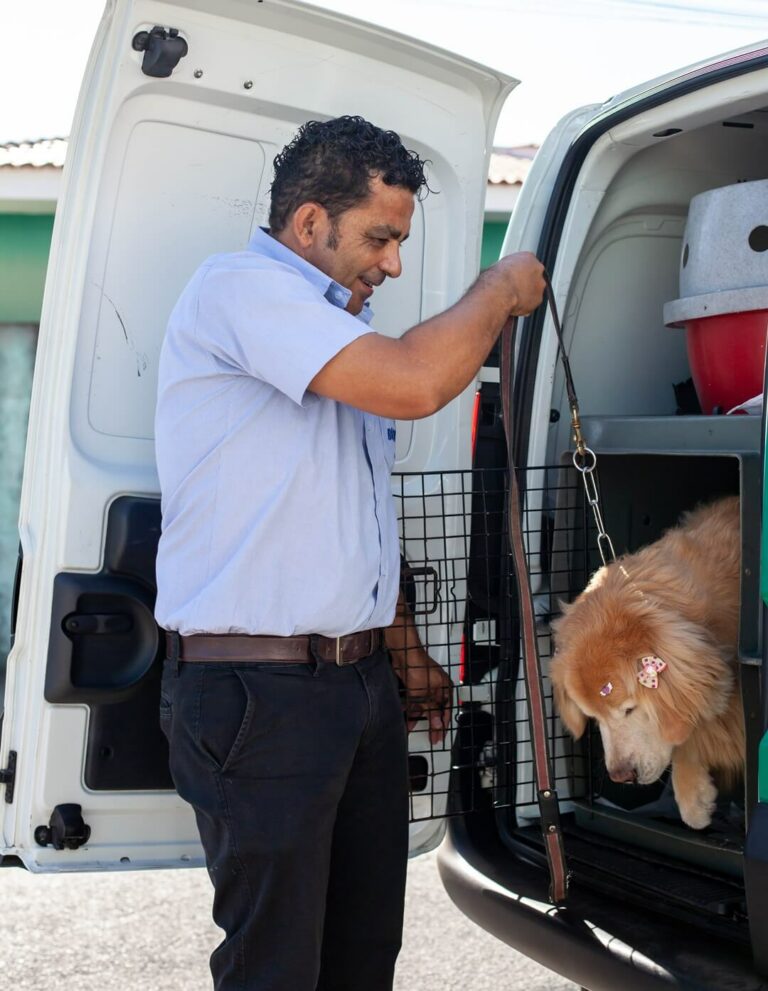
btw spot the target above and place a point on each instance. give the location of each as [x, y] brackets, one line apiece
[727, 357]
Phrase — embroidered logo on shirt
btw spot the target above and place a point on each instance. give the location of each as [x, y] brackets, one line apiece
[390, 433]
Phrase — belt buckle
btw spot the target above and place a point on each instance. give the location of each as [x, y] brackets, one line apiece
[339, 662]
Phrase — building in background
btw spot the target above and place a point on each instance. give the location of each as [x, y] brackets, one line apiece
[30, 177]
[506, 172]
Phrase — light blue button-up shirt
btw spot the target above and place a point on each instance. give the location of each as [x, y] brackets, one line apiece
[278, 516]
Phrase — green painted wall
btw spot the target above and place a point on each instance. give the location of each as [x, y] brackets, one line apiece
[17, 360]
[24, 242]
[493, 236]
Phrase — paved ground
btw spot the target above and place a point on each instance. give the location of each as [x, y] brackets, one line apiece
[152, 932]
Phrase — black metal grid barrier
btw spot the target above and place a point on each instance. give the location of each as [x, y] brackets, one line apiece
[461, 598]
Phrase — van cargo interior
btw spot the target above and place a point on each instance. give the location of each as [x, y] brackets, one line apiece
[658, 455]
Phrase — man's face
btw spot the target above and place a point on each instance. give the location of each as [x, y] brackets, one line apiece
[363, 247]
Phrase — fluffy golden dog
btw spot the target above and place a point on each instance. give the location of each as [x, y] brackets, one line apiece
[648, 650]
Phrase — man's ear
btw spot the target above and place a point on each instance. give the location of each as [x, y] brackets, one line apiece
[571, 715]
[304, 223]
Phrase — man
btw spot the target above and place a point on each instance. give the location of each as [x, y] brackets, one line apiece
[278, 565]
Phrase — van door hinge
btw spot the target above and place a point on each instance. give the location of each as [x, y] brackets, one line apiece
[65, 830]
[8, 776]
[163, 50]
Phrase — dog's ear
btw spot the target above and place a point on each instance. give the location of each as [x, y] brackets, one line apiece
[571, 715]
[697, 682]
[673, 729]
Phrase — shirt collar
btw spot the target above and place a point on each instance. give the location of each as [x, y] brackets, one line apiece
[263, 243]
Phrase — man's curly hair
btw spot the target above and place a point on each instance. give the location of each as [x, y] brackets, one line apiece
[332, 163]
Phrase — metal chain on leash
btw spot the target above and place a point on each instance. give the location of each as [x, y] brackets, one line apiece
[584, 458]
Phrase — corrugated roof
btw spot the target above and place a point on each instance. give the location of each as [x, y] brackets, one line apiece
[508, 166]
[33, 154]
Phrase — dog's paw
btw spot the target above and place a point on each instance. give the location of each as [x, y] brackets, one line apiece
[698, 805]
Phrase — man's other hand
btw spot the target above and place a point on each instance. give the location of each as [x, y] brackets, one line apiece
[427, 692]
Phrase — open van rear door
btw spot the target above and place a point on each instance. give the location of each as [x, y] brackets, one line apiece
[182, 110]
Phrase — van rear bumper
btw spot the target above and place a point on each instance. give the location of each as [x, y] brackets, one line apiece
[599, 943]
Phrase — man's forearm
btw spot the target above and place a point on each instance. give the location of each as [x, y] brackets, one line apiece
[446, 351]
[402, 636]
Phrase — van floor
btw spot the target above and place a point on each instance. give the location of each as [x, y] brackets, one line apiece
[648, 877]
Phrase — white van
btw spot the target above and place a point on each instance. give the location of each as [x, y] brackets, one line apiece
[183, 107]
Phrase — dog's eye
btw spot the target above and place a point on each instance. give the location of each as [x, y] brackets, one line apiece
[630, 710]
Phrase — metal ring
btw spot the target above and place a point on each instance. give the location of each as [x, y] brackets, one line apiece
[584, 467]
[604, 538]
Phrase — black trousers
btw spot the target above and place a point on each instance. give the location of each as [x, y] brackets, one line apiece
[298, 777]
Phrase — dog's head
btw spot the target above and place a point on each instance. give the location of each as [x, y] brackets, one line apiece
[644, 673]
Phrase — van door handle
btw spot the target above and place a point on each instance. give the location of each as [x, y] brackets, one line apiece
[97, 623]
[429, 575]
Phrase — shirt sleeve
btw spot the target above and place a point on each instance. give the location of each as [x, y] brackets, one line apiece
[273, 324]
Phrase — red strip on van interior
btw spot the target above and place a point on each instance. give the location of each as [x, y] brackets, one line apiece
[475, 420]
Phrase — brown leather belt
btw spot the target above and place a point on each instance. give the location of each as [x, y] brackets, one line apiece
[282, 650]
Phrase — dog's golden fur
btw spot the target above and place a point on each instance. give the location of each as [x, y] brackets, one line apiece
[677, 599]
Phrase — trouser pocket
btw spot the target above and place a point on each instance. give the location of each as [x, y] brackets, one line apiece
[225, 710]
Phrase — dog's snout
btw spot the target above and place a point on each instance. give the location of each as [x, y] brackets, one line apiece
[625, 774]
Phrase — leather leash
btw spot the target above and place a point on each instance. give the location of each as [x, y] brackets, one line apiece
[537, 714]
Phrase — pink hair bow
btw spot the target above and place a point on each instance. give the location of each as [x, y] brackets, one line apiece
[650, 669]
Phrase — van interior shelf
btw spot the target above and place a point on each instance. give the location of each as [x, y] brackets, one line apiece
[673, 434]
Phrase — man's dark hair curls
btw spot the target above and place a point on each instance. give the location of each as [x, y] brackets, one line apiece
[332, 163]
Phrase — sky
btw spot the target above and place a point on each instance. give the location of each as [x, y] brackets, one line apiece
[566, 53]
